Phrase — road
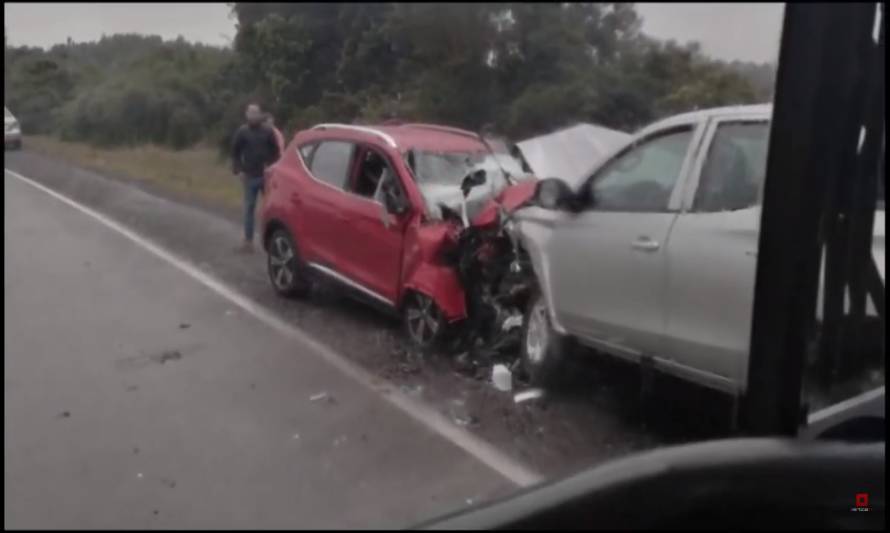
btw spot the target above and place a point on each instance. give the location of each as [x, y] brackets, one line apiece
[593, 417]
[137, 396]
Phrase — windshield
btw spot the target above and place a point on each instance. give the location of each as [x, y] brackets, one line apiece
[450, 168]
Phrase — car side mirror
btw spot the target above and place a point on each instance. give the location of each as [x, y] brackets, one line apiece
[553, 193]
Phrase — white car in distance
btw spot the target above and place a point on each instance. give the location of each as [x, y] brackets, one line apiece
[12, 129]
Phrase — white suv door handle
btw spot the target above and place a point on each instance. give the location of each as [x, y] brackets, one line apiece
[645, 244]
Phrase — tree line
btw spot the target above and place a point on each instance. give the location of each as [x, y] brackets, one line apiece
[520, 68]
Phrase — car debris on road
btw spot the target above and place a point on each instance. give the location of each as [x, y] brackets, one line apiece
[526, 395]
[502, 378]
[323, 396]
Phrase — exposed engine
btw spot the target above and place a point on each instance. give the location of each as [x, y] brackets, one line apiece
[497, 275]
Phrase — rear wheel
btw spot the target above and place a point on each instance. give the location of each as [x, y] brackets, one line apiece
[286, 271]
[543, 349]
[423, 321]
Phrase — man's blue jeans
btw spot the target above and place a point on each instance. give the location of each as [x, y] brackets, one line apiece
[252, 188]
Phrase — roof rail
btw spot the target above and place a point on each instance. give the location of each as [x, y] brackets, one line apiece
[448, 129]
[389, 140]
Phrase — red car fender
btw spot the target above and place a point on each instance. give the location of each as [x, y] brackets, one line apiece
[423, 272]
[440, 283]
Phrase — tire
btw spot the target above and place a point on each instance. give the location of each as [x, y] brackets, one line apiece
[542, 350]
[284, 266]
[423, 321]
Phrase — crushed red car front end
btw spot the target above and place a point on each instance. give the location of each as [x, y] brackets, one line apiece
[477, 275]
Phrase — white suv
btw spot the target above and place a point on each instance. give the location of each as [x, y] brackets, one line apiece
[663, 263]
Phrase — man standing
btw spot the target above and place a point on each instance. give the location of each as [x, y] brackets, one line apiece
[253, 149]
[279, 137]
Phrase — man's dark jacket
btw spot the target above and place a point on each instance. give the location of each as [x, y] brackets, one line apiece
[253, 149]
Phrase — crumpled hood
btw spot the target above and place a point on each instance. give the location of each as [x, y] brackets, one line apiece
[450, 195]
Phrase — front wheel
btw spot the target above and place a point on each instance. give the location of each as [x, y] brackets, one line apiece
[284, 266]
[543, 349]
[423, 321]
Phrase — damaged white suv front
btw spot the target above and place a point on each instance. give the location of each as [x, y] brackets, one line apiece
[652, 256]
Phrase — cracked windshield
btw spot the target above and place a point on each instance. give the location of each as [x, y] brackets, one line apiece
[372, 265]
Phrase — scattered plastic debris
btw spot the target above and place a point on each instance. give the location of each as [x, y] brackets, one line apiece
[415, 390]
[530, 394]
[513, 322]
[466, 420]
[502, 378]
[339, 440]
[144, 359]
[469, 501]
[460, 415]
[296, 436]
[465, 364]
[322, 396]
[139, 475]
[169, 355]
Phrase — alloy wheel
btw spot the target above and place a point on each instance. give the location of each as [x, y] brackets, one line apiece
[281, 267]
[423, 319]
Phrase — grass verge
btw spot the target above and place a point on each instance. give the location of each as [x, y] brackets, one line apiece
[196, 173]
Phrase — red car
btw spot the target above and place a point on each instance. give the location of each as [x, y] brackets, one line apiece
[408, 217]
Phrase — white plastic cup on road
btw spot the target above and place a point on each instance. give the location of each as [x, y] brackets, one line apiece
[502, 378]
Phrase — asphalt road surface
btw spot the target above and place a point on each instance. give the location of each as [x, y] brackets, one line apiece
[594, 415]
[137, 396]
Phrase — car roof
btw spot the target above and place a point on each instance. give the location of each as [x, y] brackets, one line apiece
[705, 114]
[418, 136]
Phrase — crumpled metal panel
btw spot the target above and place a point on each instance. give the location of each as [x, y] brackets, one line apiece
[570, 153]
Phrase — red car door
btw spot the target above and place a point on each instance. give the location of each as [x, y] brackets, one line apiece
[369, 249]
[319, 203]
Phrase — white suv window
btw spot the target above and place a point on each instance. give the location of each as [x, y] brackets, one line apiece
[331, 162]
[643, 178]
[734, 169]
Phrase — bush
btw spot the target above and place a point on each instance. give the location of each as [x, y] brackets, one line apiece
[184, 128]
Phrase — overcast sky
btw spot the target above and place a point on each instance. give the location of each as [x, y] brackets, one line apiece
[748, 32]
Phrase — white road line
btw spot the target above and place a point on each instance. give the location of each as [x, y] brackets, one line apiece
[422, 413]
